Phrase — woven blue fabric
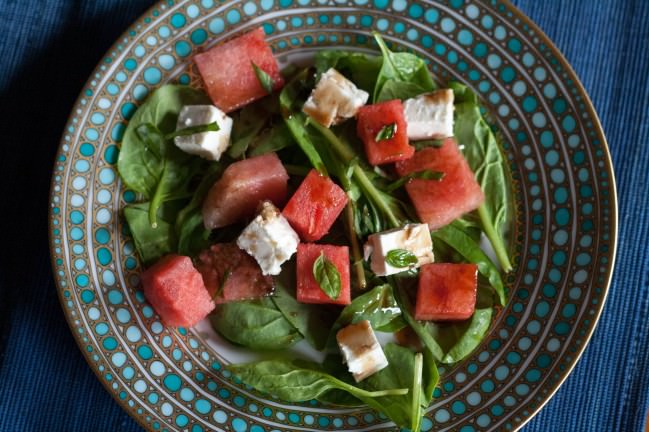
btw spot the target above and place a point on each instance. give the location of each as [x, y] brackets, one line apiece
[49, 47]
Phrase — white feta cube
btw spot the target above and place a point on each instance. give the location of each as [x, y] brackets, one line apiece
[334, 98]
[414, 238]
[430, 115]
[361, 351]
[208, 145]
[269, 239]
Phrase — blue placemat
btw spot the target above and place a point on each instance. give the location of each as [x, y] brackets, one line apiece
[49, 47]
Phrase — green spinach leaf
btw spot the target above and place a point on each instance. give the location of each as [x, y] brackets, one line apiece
[151, 243]
[246, 126]
[458, 239]
[192, 234]
[378, 306]
[256, 324]
[487, 162]
[361, 69]
[311, 320]
[393, 89]
[139, 165]
[400, 67]
[272, 140]
[299, 381]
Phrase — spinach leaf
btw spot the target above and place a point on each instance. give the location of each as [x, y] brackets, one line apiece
[393, 89]
[447, 342]
[299, 381]
[361, 69]
[151, 243]
[378, 306]
[138, 164]
[256, 324]
[400, 67]
[311, 320]
[405, 369]
[273, 140]
[247, 125]
[327, 276]
[457, 238]
[459, 339]
[191, 232]
[487, 162]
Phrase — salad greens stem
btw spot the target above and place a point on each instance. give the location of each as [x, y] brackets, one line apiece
[345, 152]
[495, 239]
[357, 259]
[157, 199]
[297, 170]
[295, 125]
[374, 194]
[348, 155]
[416, 392]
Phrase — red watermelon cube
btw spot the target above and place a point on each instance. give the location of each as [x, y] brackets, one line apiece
[384, 132]
[228, 73]
[308, 289]
[244, 184]
[439, 202]
[314, 206]
[230, 274]
[447, 292]
[176, 291]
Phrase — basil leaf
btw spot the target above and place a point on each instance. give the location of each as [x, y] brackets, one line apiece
[210, 127]
[387, 132]
[264, 79]
[401, 258]
[327, 276]
[256, 324]
[424, 175]
[419, 145]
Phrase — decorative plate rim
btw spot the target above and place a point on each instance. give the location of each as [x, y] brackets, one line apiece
[597, 126]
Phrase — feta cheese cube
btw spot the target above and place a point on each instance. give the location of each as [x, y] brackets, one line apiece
[269, 239]
[334, 98]
[361, 351]
[430, 115]
[208, 145]
[414, 238]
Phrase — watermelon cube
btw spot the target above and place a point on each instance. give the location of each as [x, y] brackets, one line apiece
[308, 289]
[447, 292]
[228, 73]
[314, 206]
[242, 187]
[230, 274]
[176, 291]
[439, 202]
[384, 132]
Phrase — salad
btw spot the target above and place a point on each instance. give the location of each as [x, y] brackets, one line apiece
[327, 204]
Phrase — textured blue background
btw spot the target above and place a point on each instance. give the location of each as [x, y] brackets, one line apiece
[49, 47]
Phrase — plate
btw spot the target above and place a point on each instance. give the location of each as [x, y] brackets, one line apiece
[563, 241]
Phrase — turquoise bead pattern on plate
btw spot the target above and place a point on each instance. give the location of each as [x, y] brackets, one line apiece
[563, 235]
